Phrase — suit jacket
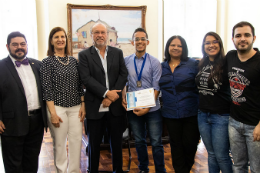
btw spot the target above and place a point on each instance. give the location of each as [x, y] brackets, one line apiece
[92, 75]
[13, 104]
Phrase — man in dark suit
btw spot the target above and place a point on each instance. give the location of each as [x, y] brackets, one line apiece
[22, 110]
[104, 75]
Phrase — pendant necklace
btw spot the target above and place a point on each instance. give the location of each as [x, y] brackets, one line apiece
[68, 60]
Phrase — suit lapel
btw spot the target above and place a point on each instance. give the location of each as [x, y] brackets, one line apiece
[11, 67]
[96, 58]
[109, 58]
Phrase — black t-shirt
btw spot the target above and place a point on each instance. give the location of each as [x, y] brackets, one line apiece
[214, 97]
[244, 79]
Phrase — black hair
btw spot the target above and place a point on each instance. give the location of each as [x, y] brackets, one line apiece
[140, 30]
[184, 55]
[219, 60]
[13, 35]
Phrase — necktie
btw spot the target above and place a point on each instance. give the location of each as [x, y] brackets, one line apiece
[24, 62]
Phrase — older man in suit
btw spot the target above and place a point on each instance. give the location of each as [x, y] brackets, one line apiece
[22, 111]
[103, 72]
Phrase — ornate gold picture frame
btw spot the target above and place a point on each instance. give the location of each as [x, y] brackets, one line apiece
[121, 21]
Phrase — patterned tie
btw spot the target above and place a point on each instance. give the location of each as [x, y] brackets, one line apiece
[24, 62]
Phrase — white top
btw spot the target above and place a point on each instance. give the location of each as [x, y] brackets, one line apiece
[27, 77]
[104, 64]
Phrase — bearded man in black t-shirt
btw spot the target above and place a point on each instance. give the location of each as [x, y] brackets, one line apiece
[244, 78]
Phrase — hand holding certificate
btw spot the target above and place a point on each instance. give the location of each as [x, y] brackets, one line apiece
[140, 99]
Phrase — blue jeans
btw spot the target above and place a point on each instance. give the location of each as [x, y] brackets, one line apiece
[152, 121]
[214, 132]
[243, 148]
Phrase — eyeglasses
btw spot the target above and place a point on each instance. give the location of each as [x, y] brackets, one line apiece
[23, 44]
[142, 39]
[213, 42]
[97, 33]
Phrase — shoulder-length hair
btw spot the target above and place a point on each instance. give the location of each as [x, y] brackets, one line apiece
[50, 51]
[219, 60]
[184, 55]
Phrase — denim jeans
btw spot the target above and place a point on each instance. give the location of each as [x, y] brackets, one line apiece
[243, 148]
[214, 132]
[152, 121]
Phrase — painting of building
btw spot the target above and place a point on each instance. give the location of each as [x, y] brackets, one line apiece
[120, 23]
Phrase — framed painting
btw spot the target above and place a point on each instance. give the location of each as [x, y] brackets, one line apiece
[121, 21]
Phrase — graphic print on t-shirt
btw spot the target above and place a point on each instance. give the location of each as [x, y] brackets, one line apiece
[238, 83]
[204, 81]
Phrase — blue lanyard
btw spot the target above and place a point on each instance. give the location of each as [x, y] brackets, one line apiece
[141, 71]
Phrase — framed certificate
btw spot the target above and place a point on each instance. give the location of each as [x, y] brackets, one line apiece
[140, 99]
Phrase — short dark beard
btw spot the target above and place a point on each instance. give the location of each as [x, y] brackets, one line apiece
[17, 57]
[244, 51]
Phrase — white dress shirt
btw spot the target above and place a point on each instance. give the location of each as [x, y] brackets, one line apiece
[27, 77]
[104, 64]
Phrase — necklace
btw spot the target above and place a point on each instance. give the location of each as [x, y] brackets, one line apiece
[68, 61]
[176, 64]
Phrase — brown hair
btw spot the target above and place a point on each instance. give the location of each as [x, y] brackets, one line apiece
[219, 60]
[242, 24]
[50, 51]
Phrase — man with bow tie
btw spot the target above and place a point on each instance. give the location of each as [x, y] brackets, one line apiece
[22, 110]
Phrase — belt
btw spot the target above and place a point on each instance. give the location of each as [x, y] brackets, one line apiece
[33, 112]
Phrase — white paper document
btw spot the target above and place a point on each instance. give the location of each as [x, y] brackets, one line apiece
[102, 109]
[2, 169]
[140, 99]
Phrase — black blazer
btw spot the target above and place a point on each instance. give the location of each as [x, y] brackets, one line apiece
[13, 104]
[93, 77]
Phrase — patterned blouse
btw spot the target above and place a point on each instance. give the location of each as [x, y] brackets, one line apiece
[61, 83]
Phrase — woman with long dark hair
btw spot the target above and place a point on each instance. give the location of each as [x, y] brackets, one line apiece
[214, 103]
[180, 103]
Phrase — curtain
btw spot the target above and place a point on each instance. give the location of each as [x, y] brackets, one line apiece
[243, 10]
[191, 19]
[18, 15]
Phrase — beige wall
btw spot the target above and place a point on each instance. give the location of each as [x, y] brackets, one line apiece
[57, 16]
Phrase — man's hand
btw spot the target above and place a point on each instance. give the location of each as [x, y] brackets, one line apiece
[82, 112]
[55, 120]
[112, 95]
[124, 103]
[2, 127]
[106, 102]
[256, 133]
[141, 112]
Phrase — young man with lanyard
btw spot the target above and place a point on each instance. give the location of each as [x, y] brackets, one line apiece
[144, 71]
[244, 74]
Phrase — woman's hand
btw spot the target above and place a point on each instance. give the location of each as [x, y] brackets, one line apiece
[82, 112]
[55, 120]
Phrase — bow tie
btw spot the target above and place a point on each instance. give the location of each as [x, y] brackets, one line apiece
[24, 62]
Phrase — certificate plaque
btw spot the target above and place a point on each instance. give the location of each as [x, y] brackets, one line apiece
[140, 99]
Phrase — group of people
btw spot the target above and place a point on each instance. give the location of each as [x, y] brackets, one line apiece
[215, 98]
